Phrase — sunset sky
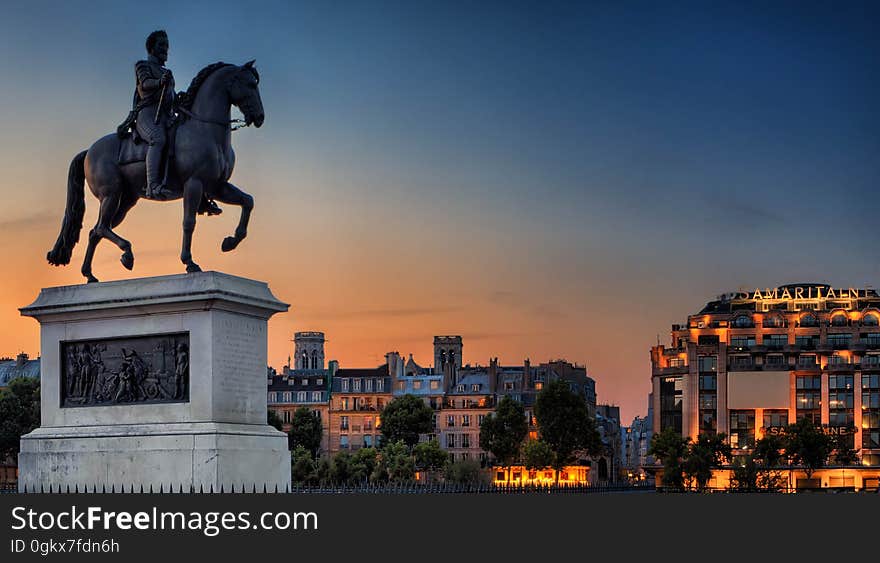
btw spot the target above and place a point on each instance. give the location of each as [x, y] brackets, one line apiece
[544, 180]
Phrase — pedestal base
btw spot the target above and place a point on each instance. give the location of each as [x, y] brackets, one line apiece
[197, 456]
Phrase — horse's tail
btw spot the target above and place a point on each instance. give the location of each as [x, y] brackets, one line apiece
[71, 225]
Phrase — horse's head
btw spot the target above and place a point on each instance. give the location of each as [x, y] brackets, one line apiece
[244, 91]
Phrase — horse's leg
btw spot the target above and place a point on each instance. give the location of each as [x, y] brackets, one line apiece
[110, 206]
[234, 196]
[192, 197]
[94, 239]
[124, 206]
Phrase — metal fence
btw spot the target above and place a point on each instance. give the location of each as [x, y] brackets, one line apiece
[365, 488]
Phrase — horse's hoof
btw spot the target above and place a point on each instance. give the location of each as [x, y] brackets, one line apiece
[91, 279]
[192, 268]
[127, 260]
[229, 243]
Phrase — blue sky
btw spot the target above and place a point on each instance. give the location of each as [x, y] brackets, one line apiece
[584, 172]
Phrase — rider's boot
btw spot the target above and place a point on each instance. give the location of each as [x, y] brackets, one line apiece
[155, 187]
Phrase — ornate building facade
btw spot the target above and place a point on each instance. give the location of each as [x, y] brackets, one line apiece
[752, 362]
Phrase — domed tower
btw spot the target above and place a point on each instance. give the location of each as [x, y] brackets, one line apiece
[308, 350]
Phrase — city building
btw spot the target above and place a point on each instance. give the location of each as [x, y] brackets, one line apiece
[413, 379]
[608, 464]
[357, 397]
[636, 441]
[20, 366]
[306, 385]
[751, 362]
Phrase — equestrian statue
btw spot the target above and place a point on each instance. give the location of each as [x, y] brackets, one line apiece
[171, 146]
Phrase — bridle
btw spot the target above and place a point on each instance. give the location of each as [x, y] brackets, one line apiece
[233, 124]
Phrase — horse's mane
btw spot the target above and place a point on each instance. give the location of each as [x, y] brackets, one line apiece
[186, 99]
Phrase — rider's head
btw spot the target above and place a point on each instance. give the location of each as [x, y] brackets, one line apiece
[157, 45]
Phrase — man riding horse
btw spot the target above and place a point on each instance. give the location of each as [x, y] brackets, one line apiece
[152, 115]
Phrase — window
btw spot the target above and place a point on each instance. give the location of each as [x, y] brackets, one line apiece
[508, 385]
[775, 418]
[368, 423]
[343, 403]
[807, 361]
[465, 440]
[369, 386]
[356, 386]
[742, 429]
[450, 440]
[670, 403]
[465, 420]
[775, 341]
[480, 419]
[775, 360]
[343, 441]
[368, 441]
[475, 387]
[708, 403]
[840, 404]
[707, 340]
[871, 339]
[807, 342]
[870, 319]
[417, 384]
[742, 342]
[305, 382]
[450, 420]
[302, 396]
[774, 321]
[345, 384]
[676, 363]
[460, 388]
[539, 385]
[401, 385]
[839, 320]
[707, 364]
[319, 382]
[839, 341]
[316, 396]
[380, 385]
[809, 320]
[871, 415]
[343, 423]
[742, 321]
[838, 360]
[286, 396]
[808, 397]
[435, 384]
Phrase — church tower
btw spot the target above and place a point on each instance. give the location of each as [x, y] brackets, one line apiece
[447, 358]
[308, 350]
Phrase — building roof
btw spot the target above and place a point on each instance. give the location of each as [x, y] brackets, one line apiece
[19, 367]
[301, 380]
[469, 379]
[380, 372]
[409, 381]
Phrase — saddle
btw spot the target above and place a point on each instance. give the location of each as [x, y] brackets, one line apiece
[132, 148]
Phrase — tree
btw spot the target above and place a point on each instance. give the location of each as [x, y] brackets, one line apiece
[429, 456]
[404, 418]
[669, 447]
[363, 465]
[807, 445]
[273, 420]
[502, 432]
[745, 475]
[768, 457]
[706, 453]
[19, 414]
[844, 454]
[396, 462]
[306, 431]
[302, 466]
[340, 468]
[537, 454]
[565, 424]
[324, 471]
[465, 472]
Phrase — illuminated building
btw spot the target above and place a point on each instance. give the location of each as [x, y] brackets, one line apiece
[358, 396]
[749, 363]
[306, 385]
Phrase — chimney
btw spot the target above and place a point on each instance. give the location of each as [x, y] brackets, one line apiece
[527, 375]
[21, 359]
[493, 375]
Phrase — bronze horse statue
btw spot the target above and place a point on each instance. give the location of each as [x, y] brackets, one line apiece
[201, 166]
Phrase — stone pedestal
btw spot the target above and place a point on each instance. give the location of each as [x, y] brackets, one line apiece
[155, 382]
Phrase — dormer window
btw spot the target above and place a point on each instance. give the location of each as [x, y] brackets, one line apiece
[475, 387]
[460, 388]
